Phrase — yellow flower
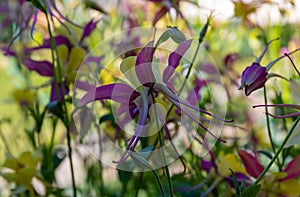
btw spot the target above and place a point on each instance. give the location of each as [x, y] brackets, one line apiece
[226, 161]
[24, 97]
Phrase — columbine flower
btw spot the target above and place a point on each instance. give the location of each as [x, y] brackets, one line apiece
[255, 76]
[280, 183]
[70, 57]
[166, 6]
[146, 81]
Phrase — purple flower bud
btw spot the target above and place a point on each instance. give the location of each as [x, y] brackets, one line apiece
[253, 78]
[88, 29]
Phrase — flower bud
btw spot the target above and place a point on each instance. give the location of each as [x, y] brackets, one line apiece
[254, 77]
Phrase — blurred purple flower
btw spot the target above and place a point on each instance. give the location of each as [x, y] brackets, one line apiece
[240, 178]
[166, 6]
[230, 59]
[88, 29]
[45, 68]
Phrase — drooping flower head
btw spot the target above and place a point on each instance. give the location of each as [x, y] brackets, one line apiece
[255, 76]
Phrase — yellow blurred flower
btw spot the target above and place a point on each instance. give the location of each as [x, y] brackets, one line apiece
[24, 97]
[229, 160]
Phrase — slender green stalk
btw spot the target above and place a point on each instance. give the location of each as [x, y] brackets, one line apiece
[269, 127]
[53, 133]
[278, 151]
[5, 142]
[65, 114]
[166, 169]
[99, 161]
[139, 184]
[159, 183]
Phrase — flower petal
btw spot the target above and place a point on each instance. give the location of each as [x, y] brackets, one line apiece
[292, 169]
[88, 29]
[143, 65]
[159, 14]
[118, 92]
[142, 104]
[53, 96]
[295, 89]
[44, 68]
[171, 96]
[240, 177]
[252, 165]
[59, 40]
[174, 59]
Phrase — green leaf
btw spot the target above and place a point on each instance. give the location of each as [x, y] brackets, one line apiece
[165, 36]
[124, 176]
[243, 185]
[38, 5]
[266, 153]
[295, 137]
[251, 191]
[295, 89]
[93, 5]
[140, 161]
[176, 35]
[107, 117]
[236, 184]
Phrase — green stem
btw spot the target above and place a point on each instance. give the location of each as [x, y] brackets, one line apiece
[65, 114]
[159, 183]
[139, 184]
[53, 133]
[99, 161]
[5, 142]
[269, 127]
[278, 151]
[166, 169]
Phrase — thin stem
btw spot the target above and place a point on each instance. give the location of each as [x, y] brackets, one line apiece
[269, 127]
[213, 185]
[65, 114]
[139, 184]
[190, 67]
[269, 66]
[159, 183]
[278, 152]
[166, 169]
[54, 123]
[292, 63]
[99, 161]
[5, 142]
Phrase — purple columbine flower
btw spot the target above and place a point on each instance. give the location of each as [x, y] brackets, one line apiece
[255, 76]
[135, 101]
[45, 68]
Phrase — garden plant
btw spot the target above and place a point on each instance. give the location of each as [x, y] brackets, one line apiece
[149, 98]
